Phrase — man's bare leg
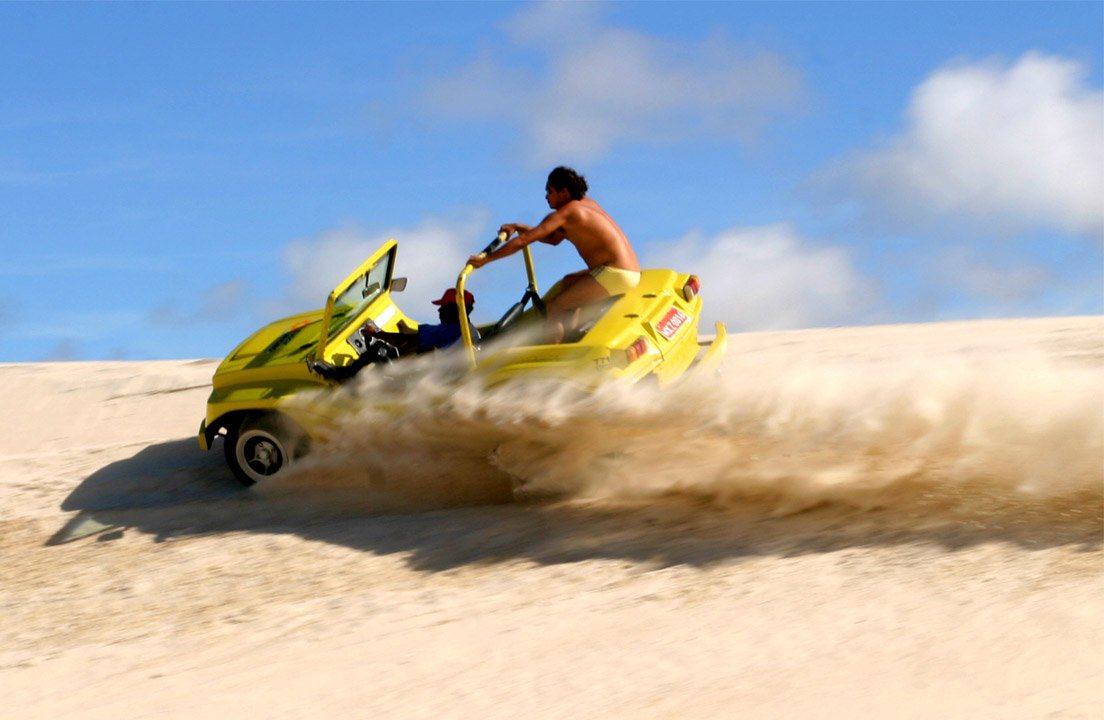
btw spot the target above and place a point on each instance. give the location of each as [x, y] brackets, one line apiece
[563, 310]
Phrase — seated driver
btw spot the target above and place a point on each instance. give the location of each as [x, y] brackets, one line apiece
[433, 337]
[409, 341]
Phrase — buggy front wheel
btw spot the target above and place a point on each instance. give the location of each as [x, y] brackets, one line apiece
[264, 446]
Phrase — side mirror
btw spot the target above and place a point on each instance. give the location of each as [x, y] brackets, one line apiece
[398, 284]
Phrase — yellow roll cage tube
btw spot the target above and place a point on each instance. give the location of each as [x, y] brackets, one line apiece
[465, 328]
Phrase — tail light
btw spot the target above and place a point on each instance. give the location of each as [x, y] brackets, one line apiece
[692, 287]
[637, 349]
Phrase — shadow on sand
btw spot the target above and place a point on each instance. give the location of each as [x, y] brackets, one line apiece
[173, 490]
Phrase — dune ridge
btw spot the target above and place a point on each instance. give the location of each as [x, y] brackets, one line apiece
[899, 521]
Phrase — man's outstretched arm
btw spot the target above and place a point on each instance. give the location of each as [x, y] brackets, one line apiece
[549, 230]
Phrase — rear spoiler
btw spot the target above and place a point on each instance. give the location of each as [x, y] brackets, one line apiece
[717, 346]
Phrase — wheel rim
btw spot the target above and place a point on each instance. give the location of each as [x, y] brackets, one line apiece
[260, 454]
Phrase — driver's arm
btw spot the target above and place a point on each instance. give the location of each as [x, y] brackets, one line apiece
[406, 342]
[550, 228]
[557, 237]
[511, 228]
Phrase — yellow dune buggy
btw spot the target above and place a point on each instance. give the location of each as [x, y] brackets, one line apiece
[648, 332]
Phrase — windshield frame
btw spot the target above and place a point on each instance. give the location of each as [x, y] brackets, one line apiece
[361, 288]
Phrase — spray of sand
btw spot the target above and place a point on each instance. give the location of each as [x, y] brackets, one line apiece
[964, 430]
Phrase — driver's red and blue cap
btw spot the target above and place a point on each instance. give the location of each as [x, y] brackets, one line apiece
[450, 297]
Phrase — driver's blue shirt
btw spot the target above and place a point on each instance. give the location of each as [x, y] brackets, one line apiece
[443, 335]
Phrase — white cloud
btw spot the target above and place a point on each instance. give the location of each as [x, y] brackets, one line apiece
[577, 86]
[770, 278]
[999, 283]
[430, 255]
[1013, 147]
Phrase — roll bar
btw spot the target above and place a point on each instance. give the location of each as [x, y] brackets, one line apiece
[465, 328]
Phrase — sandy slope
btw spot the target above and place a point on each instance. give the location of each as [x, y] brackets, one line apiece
[944, 575]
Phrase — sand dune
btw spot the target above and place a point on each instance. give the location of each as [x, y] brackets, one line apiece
[870, 522]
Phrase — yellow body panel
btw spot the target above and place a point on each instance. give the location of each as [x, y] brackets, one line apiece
[270, 366]
[600, 355]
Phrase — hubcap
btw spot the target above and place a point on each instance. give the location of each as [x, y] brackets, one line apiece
[260, 453]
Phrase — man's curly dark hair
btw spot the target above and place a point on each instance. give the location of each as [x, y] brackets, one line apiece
[565, 178]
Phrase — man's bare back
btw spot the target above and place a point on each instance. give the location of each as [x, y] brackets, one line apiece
[599, 240]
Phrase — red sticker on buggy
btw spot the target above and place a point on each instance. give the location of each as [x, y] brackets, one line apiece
[671, 322]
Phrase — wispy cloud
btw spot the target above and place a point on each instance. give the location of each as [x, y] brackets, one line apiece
[9, 311]
[74, 334]
[1010, 146]
[770, 278]
[430, 253]
[21, 177]
[990, 278]
[64, 350]
[47, 265]
[222, 302]
[576, 86]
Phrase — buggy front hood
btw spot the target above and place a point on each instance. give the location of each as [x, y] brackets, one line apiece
[286, 342]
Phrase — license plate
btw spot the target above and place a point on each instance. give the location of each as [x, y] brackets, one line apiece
[671, 322]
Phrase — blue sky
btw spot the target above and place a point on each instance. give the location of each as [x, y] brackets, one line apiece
[173, 175]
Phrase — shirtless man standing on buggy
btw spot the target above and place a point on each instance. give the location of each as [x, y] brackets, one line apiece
[612, 266]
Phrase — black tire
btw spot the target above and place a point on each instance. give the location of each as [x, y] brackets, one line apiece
[263, 446]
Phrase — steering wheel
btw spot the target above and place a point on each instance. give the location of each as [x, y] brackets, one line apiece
[514, 313]
[380, 351]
